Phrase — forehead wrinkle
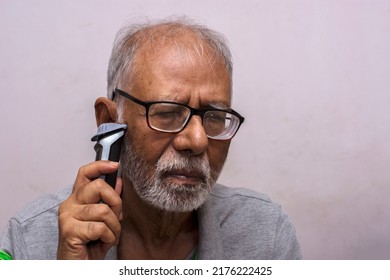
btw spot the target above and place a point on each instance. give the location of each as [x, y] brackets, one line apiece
[219, 105]
[177, 97]
[191, 45]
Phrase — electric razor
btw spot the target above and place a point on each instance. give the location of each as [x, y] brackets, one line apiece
[109, 138]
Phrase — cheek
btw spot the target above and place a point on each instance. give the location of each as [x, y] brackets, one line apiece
[217, 153]
[148, 143]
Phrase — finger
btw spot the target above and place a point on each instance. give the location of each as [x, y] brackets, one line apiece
[89, 222]
[99, 191]
[99, 231]
[94, 192]
[118, 189]
[100, 213]
[94, 170]
[118, 185]
[85, 232]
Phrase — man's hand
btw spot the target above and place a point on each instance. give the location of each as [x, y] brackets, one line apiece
[83, 218]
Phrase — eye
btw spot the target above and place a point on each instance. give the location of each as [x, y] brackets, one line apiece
[215, 122]
[167, 116]
[166, 111]
[217, 117]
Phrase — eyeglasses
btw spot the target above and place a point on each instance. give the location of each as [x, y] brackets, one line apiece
[172, 117]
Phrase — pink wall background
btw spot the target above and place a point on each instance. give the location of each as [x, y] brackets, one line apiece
[311, 77]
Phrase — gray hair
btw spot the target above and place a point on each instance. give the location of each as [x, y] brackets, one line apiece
[132, 37]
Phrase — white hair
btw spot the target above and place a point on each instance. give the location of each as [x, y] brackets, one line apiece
[133, 36]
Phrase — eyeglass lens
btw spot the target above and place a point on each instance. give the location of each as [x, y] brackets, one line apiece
[168, 117]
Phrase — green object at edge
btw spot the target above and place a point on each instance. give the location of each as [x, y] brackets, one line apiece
[5, 256]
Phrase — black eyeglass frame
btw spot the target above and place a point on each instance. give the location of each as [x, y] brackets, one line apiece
[193, 111]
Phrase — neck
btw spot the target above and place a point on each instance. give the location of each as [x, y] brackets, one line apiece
[155, 233]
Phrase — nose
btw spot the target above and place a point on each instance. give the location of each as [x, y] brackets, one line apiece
[192, 138]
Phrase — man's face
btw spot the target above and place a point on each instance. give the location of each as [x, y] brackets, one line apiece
[174, 171]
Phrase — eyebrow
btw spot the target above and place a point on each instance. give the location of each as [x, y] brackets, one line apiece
[175, 95]
[209, 105]
[217, 105]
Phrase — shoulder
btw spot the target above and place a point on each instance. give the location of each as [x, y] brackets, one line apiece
[33, 232]
[228, 200]
[45, 204]
[251, 225]
[224, 192]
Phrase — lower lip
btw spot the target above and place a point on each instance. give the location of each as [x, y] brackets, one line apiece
[184, 179]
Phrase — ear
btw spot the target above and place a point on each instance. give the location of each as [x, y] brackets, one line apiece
[105, 110]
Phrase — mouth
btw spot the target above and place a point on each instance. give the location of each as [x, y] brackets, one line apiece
[190, 177]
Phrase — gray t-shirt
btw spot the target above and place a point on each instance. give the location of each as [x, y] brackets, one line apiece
[234, 223]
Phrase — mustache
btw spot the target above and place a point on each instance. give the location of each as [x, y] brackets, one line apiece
[173, 161]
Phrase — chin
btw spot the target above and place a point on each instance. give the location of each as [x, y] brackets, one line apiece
[180, 198]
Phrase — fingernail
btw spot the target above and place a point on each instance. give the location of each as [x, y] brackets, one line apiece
[114, 163]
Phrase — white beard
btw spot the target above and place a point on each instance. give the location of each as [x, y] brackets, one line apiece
[155, 188]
